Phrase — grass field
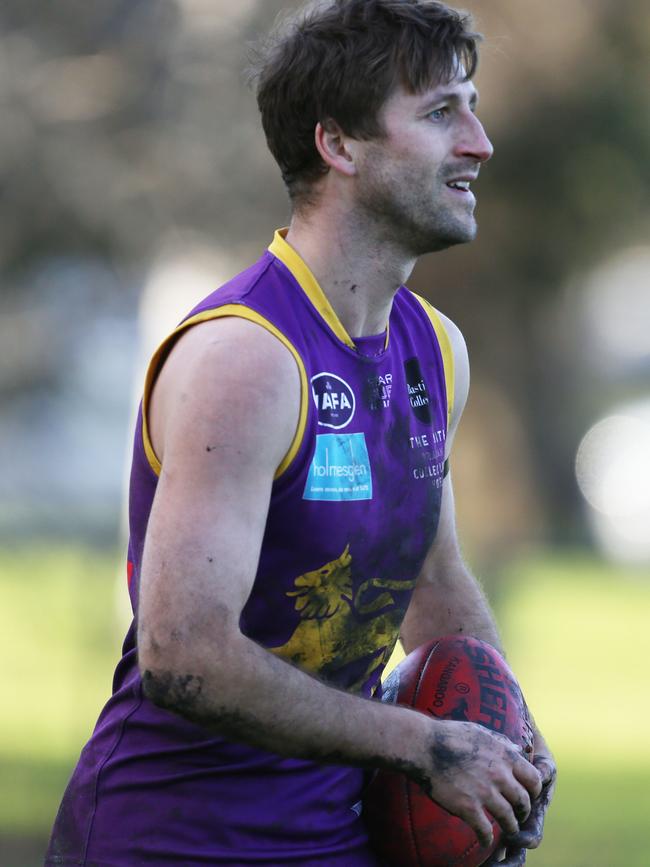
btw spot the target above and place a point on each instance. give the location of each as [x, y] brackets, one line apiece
[577, 636]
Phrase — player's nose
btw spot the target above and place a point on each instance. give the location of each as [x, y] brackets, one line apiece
[474, 141]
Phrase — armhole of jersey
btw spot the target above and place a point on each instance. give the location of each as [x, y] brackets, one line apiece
[242, 312]
[445, 350]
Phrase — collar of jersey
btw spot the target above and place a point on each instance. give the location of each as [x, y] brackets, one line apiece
[310, 286]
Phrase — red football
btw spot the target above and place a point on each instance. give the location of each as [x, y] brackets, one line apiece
[456, 679]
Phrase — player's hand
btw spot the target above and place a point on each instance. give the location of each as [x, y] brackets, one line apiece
[472, 770]
[532, 830]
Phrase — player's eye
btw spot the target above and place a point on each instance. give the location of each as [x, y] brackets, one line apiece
[438, 113]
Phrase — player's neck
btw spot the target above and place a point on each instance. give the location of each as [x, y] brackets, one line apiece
[359, 271]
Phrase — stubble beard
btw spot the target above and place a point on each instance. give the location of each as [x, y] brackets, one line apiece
[407, 210]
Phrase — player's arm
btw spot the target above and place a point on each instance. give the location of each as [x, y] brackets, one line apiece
[224, 413]
[448, 599]
[444, 574]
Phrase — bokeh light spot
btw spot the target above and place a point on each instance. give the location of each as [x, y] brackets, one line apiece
[613, 473]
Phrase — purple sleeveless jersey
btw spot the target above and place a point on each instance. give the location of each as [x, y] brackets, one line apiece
[354, 509]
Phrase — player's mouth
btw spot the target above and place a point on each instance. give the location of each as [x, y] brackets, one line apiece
[460, 186]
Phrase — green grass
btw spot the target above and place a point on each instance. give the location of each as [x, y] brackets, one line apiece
[31, 790]
[576, 632]
[577, 636]
[60, 637]
[598, 819]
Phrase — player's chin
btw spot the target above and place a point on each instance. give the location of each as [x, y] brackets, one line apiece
[460, 225]
[444, 230]
[459, 234]
[469, 228]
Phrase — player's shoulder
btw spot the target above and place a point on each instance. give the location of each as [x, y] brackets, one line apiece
[230, 371]
[461, 375]
[456, 362]
[454, 350]
[231, 354]
[246, 338]
[443, 326]
[458, 343]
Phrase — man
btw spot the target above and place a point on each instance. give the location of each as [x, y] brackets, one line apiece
[291, 509]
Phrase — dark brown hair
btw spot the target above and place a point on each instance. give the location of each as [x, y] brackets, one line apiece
[340, 60]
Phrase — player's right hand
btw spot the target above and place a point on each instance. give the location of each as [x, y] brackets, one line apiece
[468, 769]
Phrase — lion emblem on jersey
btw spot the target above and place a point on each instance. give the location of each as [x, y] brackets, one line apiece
[340, 625]
[321, 593]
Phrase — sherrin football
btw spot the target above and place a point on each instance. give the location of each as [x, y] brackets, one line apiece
[453, 678]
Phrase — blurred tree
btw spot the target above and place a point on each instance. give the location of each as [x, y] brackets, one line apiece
[568, 185]
[124, 121]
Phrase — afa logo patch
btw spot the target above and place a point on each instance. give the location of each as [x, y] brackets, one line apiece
[334, 400]
[340, 469]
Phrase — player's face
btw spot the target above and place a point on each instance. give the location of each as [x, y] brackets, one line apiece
[415, 182]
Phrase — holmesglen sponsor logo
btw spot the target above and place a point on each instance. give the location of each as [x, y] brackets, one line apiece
[334, 400]
[340, 469]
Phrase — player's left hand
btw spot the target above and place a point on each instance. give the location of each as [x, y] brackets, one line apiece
[532, 830]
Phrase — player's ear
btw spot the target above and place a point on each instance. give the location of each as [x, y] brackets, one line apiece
[333, 145]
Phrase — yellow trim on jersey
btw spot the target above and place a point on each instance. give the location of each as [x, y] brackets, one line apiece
[310, 286]
[446, 351]
[243, 312]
